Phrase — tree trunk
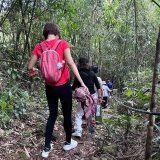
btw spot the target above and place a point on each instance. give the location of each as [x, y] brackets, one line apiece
[150, 126]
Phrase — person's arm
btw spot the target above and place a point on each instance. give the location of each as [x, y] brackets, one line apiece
[109, 90]
[32, 63]
[101, 90]
[75, 84]
[99, 95]
[100, 83]
[98, 89]
[72, 66]
[35, 56]
[96, 82]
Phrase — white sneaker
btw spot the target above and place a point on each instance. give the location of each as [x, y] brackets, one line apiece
[46, 151]
[77, 134]
[71, 145]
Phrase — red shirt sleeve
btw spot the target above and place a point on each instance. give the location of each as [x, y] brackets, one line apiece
[37, 50]
[65, 45]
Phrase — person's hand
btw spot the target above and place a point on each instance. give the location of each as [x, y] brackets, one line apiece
[83, 85]
[34, 71]
[99, 100]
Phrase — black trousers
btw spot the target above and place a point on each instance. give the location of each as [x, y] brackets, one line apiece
[64, 93]
[104, 103]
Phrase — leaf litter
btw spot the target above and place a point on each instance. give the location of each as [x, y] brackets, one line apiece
[25, 140]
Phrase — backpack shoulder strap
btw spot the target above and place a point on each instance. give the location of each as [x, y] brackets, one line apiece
[42, 46]
[56, 45]
[53, 48]
[87, 76]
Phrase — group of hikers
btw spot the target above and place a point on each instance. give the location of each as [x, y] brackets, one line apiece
[49, 51]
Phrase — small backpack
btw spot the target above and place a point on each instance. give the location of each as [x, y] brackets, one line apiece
[50, 64]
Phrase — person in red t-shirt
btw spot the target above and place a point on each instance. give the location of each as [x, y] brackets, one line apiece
[60, 90]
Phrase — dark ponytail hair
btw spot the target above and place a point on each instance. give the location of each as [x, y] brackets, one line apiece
[83, 63]
[94, 68]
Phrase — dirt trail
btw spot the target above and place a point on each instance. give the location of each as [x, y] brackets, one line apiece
[25, 140]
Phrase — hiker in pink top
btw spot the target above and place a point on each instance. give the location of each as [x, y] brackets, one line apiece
[59, 90]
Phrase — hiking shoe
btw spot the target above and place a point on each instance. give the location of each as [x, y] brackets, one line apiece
[77, 134]
[67, 146]
[46, 151]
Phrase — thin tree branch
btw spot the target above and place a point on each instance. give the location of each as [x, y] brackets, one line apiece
[156, 3]
[1, 22]
[138, 110]
[27, 34]
[136, 26]
[5, 60]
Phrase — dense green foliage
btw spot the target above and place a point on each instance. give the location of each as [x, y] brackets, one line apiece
[119, 36]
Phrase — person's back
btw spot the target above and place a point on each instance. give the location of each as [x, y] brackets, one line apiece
[106, 92]
[60, 89]
[89, 79]
[110, 84]
[94, 69]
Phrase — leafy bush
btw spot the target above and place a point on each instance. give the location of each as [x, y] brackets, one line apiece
[13, 103]
[122, 123]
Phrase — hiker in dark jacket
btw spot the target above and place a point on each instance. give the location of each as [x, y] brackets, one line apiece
[90, 79]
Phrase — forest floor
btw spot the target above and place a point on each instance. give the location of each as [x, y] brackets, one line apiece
[25, 140]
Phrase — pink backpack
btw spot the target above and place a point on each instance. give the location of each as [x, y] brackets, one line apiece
[50, 64]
